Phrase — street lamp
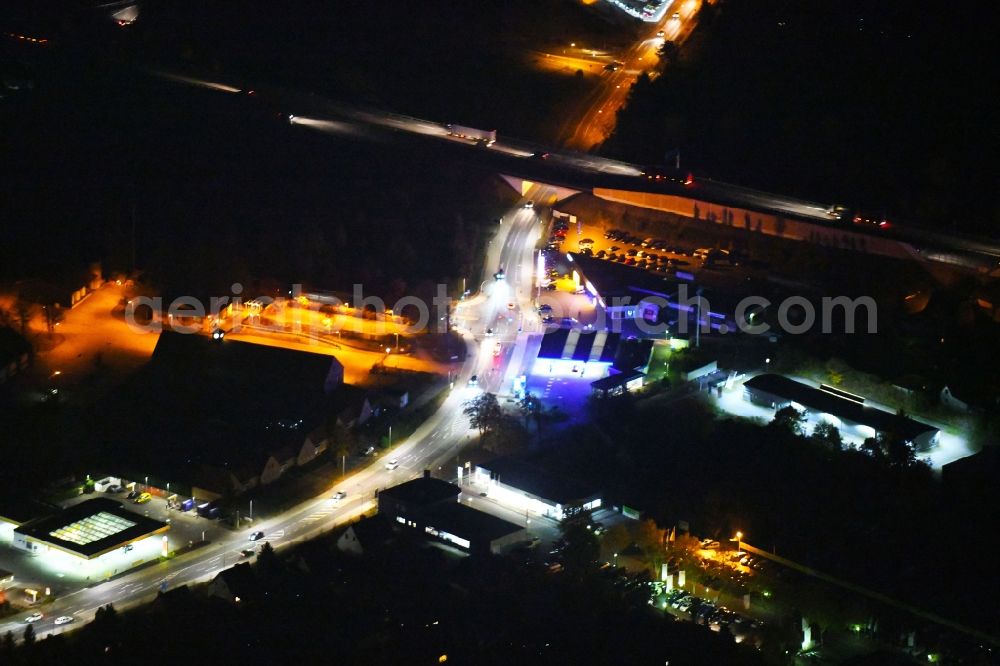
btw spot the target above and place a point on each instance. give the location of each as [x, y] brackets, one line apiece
[739, 541]
[616, 560]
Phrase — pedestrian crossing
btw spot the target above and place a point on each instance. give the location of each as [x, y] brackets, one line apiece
[317, 516]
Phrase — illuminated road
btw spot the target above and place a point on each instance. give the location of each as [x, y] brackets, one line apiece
[594, 120]
[434, 445]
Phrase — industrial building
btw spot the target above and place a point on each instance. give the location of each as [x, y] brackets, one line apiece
[534, 490]
[842, 409]
[432, 507]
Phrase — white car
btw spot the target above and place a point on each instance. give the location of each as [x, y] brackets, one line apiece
[64, 619]
[340, 495]
[391, 465]
[529, 204]
[34, 617]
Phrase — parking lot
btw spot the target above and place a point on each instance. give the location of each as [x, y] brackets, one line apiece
[186, 527]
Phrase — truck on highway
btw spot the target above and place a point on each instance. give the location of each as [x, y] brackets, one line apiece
[483, 137]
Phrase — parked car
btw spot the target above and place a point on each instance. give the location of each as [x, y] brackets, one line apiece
[143, 498]
[114, 490]
[132, 494]
[370, 451]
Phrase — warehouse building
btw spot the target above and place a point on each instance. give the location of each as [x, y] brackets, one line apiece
[432, 507]
[844, 410]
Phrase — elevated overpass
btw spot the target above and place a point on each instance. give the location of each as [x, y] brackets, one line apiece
[524, 164]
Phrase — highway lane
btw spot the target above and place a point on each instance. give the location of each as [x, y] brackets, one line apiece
[434, 445]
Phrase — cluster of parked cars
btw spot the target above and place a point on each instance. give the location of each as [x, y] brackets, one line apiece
[704, 612]
[748, 561]
[559, 230]
[641, 253]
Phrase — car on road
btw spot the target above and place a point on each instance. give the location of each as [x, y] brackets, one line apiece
[544, 307]
[34, 617]
[64, 619]
[660, 33]
[497, 349]
[529, 204]
[256, 536]
[392, 464]
[143, 498]
[339, 496]
[510, 306]
[676, 16]
[474, 380]
[248, 552]
[499, 275]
